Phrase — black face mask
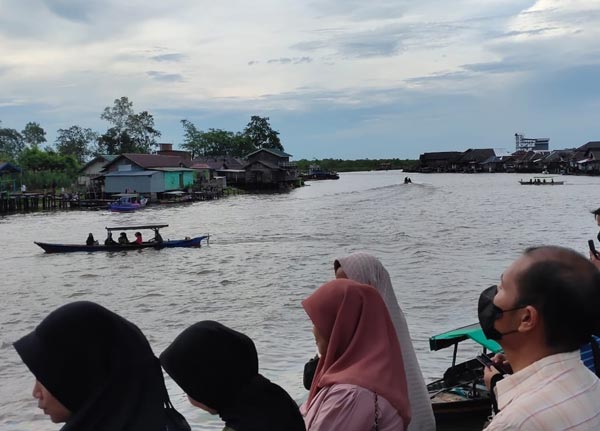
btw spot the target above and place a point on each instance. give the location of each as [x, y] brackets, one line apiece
[488, 313]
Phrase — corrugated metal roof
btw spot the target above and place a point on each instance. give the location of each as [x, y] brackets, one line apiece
[274, 151]
[174, 169]
[131, 174]
[9, 167]
[151, 161]
[155, 160]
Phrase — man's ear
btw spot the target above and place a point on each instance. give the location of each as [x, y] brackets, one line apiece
[530, 319]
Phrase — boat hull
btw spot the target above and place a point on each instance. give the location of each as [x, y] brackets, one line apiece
[555, 183]
[71, 248]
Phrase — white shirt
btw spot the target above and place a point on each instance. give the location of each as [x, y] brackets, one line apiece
[555, 393]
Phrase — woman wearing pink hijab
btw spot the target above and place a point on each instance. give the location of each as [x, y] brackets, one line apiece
[359, 383]
[367, 269]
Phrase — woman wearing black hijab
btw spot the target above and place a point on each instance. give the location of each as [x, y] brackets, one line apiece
[217, 368]
[96, 371]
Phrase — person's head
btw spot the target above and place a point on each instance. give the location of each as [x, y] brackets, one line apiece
[138, 234]
[49, 404]
[357, 341]
[551, 293]
[91, 366]
[361, 267]
[123, 234]
[211, 363]
[367, 269]
[596, 213]
[90, 235]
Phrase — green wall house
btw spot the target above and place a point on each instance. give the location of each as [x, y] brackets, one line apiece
[177, 178]
[147, 173]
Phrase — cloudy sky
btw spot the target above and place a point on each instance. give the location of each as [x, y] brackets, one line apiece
[338, 78]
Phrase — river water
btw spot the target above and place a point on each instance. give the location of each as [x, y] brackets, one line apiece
[443, 239]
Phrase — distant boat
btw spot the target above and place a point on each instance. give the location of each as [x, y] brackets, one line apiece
[316, 173]
[174, 197]
[127, 202]
[156, 243]
[541, 181]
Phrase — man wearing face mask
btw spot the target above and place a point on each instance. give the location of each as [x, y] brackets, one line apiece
[543, 310]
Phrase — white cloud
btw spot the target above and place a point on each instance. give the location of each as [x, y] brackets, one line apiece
[69, 59]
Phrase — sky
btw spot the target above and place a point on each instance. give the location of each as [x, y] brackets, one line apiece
[337, 78]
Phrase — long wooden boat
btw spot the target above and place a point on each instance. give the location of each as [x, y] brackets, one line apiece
[460, 399]
[541, 181]
[156, 243]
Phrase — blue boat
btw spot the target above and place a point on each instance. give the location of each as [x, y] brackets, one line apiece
[127, 202]
[157, 242]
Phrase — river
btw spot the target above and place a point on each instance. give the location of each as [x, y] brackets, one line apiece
[443, 239]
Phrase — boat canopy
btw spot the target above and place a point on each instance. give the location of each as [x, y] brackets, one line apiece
[147, 226]
[473, 332]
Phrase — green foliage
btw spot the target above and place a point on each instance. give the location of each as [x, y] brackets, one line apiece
[131, 132]
[218, 142]
[33, 134]
[214, 142]
[36, 160]
[357, 165]
[46, 180]
[259, 131]
[43, 168]
[75, 141]
[11, 143]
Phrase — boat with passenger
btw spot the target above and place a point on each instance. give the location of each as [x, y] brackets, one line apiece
[541, 181]
[315, 172]
[460, 396]
[157, 242]
[127, 202]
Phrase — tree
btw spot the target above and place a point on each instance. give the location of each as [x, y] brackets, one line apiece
[192, 139]
[215, 142]
[34, 159]
[261, 135]
[131, 132]
[11, 143]
[33, 134]
[75, 141]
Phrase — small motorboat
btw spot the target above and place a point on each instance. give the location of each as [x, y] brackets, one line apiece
[460, 399]
[127, 202]
[316, 173]
[156, 242]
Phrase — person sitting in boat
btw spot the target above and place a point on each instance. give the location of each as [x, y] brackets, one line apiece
[109, 239]
[544, 309]
[157, 237]
[217, 368]
[360, 381]
[90, 240]
[95, 370]
[138, 238]
[123, 238]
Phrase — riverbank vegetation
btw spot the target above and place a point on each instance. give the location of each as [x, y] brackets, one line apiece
[340, 165]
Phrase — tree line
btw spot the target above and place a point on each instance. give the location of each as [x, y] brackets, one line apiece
[128, 132]
[340, 165]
